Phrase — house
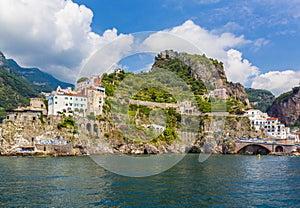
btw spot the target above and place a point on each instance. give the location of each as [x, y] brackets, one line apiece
[275, 128]
[32, 112]
[95, 93]
[95, 98]
[66, 100]
[272, 126]
[257, 118]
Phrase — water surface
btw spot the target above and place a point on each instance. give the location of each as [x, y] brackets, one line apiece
[220, 181]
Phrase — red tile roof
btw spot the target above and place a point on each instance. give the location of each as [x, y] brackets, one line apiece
[272, 119]
[75, 95]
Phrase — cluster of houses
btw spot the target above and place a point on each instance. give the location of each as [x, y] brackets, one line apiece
[272, 126]
[86, 99]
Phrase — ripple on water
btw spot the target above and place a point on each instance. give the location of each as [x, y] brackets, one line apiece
[222, 180]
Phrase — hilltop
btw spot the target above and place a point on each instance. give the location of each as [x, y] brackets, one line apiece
[204, 75]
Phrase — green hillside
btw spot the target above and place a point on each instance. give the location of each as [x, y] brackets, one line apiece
[18, 84]
[260, 99]
[14, 91]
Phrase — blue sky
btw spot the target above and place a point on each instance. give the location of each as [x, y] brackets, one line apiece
[257, 40]
[277, 22]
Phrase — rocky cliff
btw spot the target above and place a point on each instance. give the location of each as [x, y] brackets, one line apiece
[207, 70]
[287, 107]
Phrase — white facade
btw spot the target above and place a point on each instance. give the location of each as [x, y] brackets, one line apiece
[276, 129]
[272, 126]
[66, 102]
[257, 118]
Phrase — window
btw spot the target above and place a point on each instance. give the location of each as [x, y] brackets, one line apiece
[70, 98]
[55, 97]
[70, 104]
[55, 102]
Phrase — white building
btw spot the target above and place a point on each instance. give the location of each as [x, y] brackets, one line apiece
[66, 102]
[272, 126]
[276, 129]
[257, 118]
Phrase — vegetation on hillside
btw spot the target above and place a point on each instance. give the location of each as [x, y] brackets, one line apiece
[110, 81]
[18, 84]
[14, 92]
[183, 71]
[154, 95]
[260, 99]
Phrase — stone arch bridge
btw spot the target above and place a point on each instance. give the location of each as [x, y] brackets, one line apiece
[248, 147]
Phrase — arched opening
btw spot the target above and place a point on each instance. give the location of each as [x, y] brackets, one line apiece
[89, 127]
[279, 149]
[254, 149]
[96, 129]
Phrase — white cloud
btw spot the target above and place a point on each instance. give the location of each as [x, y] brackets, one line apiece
[277, 82]
[239, 69]
[260, 42]
[213, 45]
[55, 35]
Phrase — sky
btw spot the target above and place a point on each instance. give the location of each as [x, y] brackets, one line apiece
[257, 40]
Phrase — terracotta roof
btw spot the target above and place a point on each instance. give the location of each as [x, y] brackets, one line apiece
[75, 95]
[272, 119]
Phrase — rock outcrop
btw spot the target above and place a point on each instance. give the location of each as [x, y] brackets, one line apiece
[211, 72]
[287, 107]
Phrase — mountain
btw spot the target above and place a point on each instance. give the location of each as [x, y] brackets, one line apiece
[14, 90]
[287, 107]
[42, 81]
[260, 99]
[18, 84]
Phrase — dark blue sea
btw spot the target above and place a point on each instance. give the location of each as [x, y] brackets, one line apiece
[220, 181]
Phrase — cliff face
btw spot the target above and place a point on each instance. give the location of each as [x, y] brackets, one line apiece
[209, 71]
[287, 107]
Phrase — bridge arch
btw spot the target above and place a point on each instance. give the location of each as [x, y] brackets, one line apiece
[279, 149]
[254, 149]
